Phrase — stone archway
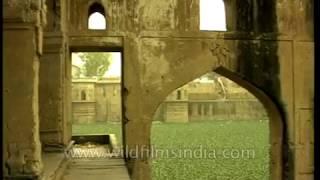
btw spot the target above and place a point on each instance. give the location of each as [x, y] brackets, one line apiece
[275, 121]
[166, 49]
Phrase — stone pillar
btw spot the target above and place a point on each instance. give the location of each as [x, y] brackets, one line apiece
[190, 110]
[195, 113]
[194, 109]
[210, 110]
[55, 79]
[22, 21]
[52, 89]
[202, 111]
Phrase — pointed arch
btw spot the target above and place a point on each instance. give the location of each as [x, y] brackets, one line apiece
[276, 120]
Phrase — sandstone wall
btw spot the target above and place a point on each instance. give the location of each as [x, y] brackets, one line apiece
[102, 103]
[268, 50]
[164, 49]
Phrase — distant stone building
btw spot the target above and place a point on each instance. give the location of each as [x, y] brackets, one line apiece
[96, 100]
[205, 99]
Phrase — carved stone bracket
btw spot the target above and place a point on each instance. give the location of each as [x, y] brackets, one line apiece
[219, 49]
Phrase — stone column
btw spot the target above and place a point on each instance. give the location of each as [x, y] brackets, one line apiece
[202, 111]
[52, 87]
[210, 110]
[22, 21]
[194, 109]
[55, 80]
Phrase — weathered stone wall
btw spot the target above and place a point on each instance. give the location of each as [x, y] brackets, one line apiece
[108, 102]
[164, 49]
[186, 111]
[83, 90]
[84, 112]
[245, 109]
[295, 20]
[102, 103]
[23, 23]
[268, 49]
[83, 101]
[176, 112]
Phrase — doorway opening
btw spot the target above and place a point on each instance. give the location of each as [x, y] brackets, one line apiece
[96, 103]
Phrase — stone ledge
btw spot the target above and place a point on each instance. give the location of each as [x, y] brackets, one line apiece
[53, 165]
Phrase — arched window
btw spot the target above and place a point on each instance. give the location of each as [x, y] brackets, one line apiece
[96, 18]
[212, 15]
[83, 95]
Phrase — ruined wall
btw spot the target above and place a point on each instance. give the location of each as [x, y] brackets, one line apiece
[164, 49]
[22, 27]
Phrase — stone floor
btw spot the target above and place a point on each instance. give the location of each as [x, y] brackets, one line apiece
[53, 165]
[94, 162]
[96, 169]
[90, 150]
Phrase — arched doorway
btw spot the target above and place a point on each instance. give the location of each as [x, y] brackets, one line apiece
[192, 135]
